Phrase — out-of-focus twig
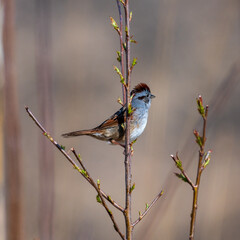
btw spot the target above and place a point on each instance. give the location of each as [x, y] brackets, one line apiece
[12, 145]
[44, 85]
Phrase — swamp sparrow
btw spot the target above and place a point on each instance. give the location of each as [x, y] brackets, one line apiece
[113, 129]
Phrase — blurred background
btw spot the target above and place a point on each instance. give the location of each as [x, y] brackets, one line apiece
[64, 52]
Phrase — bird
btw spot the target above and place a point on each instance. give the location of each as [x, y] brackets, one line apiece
[112, 130]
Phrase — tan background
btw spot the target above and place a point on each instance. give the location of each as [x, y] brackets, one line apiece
[184, 48]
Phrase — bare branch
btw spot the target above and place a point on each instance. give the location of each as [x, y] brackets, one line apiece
[107, 197]
[147, 209]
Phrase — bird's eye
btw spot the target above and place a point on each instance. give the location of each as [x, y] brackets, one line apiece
[141, 98]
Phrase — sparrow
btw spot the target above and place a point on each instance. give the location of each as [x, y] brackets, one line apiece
[113, 129]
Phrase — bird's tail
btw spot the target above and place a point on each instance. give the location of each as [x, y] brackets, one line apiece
[77, 133]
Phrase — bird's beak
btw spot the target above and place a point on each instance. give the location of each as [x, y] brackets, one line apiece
[152, 96]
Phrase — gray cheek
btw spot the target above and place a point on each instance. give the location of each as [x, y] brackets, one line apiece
[146, 100]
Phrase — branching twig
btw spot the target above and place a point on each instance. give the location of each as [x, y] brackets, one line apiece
[97, 188]
[179, 166]
[84, 173]
[203, 161]
[141, 216]
[91, 181]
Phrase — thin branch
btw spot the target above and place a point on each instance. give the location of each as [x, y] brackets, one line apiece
[127, 161]
[85, 174]
[97, 188]
[107, 197]
[188, 180]
[121, 48]
[147, 209]
[199, 172]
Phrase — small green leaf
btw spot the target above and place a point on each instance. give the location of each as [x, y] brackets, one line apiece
[122, 2]
[126, 31]
[181, 176]
[134, 141]
[120, 101]
[84, 172]
[201, 109]
[133, 41]
[119, 58]
[179, 164]
[130, 110]
[119, 73]
[63, 147]
[134, 62]
[98, 183]
[124, 46]
[114, 24]
[207, 157]
[198, 138]
[130, 16]
[98, 199]
[132, 188]
[147, 206]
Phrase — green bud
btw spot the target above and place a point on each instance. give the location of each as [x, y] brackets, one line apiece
[207, 157]
[198, 138]
[130, 110]
[119, 73]
[201, 109]
[98, 199]
[84, 172]
[181, 176]
[130, 16]
[132, 188]
[134, 62]
[114, 24]
[119, 58]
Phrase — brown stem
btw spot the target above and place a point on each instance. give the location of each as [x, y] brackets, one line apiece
[127, 162]
[197, 184]
[107, 197]
[147, 209]
[121, 48]
[189, 181]
[86, 175]
[100, 195]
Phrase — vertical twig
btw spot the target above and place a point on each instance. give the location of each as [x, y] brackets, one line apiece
[127, 161]
[11, 130]
[199, 172]
[203, 161]
[121, 48]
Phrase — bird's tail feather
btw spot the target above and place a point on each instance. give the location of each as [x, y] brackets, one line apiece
[77, 133]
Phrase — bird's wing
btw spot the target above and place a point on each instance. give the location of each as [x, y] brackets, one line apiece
[115, 120]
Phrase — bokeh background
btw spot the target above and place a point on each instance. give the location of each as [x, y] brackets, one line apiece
[185, 48]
